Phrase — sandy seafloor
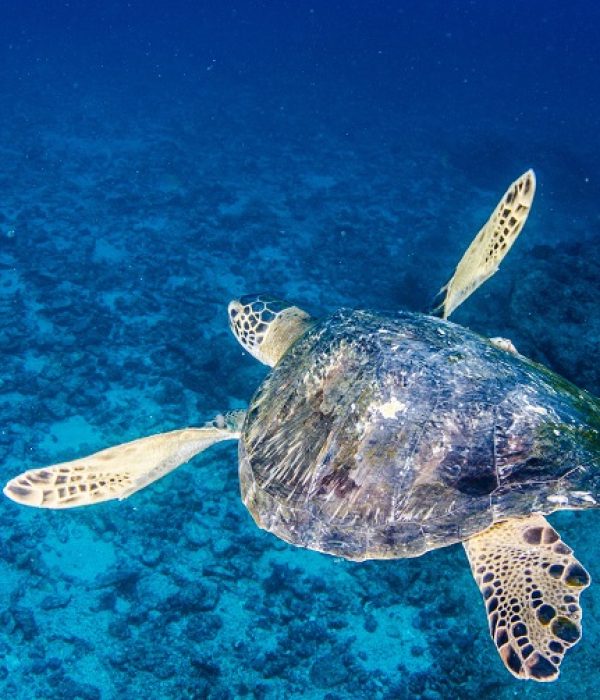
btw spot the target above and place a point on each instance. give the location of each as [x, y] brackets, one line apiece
[129, 216]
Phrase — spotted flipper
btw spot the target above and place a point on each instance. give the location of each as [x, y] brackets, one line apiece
[119, 471]
[530, 582]
[483, 257]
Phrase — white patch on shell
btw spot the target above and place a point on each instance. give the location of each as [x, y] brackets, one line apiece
[560, 500]
[391, 408]
[539, 409]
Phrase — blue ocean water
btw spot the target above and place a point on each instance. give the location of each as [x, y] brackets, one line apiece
[159, 159]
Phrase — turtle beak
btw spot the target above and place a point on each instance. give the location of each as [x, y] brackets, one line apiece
[233, 309]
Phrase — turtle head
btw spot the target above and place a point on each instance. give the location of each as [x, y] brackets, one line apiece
[266, 327]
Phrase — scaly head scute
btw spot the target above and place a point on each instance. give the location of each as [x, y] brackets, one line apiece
[266, 327]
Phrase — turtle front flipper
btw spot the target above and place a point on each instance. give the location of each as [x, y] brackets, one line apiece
[117, 472]
[530, 582]
[487, 250]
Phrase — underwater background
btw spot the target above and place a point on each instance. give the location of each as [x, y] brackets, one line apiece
[158, 159]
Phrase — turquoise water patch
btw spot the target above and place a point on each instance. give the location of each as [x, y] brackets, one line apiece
[74, 431]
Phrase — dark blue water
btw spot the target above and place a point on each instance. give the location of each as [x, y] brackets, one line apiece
[158, 159]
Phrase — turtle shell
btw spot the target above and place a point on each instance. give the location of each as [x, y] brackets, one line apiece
[387, 435]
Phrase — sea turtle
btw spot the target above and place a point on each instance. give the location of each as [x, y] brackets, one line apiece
[386, 435]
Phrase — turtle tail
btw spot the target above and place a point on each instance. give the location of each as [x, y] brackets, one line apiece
[578, 439]
[548, 447]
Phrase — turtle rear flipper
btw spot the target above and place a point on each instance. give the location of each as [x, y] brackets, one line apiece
[487, 250]
[117, 472]
[530, 582]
